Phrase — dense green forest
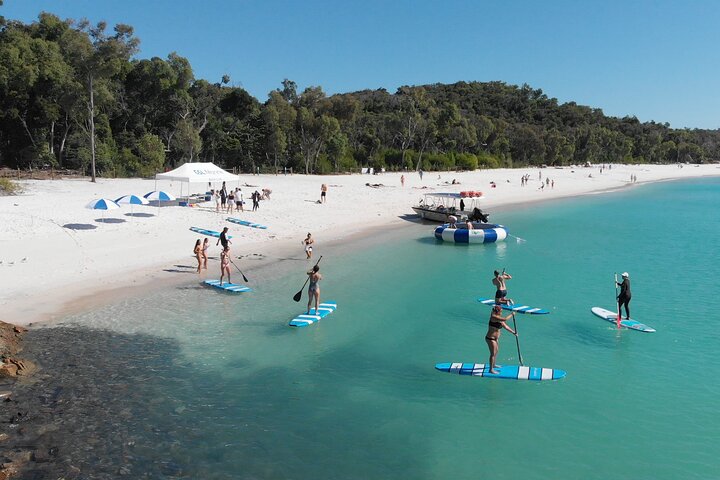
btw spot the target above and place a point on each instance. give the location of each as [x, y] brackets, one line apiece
[75, 96]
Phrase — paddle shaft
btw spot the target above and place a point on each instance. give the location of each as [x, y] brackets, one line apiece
[617, 302]
[298, 295]
[517, 340]
[241, 273]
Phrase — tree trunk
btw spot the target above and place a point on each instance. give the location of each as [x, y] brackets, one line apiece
[52, 138]
[92, 128]
[64, 139]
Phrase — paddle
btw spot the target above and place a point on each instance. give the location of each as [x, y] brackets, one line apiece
[238, 269]
[517, 340]
[298, 295]
[617, 321]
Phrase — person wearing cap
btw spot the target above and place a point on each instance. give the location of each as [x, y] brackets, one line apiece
[496, 324]
[625, 295]
[501, 287]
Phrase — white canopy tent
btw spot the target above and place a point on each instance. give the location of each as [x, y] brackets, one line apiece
[197, 173]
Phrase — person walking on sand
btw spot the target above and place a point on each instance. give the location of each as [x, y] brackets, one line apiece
[223, 195]
[197, 251]
[239, 200]
[495, 326]
[308, 245]
[225, 264]
[402, 180]
[216, 197]
[205, 247]
[501, 288]
[314, 288]
[323, 193]
[224, 240]
[625, 295]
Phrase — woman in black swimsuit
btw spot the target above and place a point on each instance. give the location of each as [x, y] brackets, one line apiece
[497, 323]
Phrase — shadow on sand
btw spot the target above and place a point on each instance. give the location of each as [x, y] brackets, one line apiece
[110, 220]
[79, 226]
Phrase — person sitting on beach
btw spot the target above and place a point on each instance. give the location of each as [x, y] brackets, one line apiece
[225, 264]
[266, 194]
[501, 288]
[205, 247]
[495, 326]
[197, 251]
[314, 288]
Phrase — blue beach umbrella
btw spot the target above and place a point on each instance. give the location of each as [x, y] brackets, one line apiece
[160, 196]
[102, 204]
[131, 200]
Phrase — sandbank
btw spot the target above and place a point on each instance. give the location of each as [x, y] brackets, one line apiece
[59, 257]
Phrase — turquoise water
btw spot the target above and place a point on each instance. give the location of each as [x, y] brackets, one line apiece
[210, 385]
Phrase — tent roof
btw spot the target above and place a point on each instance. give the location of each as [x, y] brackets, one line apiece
[198, 173]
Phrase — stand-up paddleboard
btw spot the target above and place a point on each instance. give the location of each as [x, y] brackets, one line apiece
[510, 372]
[228, 287]
[515, 307]
[305, 319]
[209, 233]
[612, 317]
[245, 223]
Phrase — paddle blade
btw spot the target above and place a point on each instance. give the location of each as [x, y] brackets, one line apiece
[298, 296]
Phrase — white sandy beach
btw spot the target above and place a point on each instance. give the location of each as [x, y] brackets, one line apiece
[56, 253]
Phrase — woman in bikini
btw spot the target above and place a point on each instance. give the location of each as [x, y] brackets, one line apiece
[499, 280]
[497, 323]
[197, 251]
[205, 246]
[314, 288]
[225, 264]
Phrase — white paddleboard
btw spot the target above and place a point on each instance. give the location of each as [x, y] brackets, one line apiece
[626, 323]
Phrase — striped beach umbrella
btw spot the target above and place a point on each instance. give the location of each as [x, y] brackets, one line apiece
[131, 200]
[102, 204]
[160, 196]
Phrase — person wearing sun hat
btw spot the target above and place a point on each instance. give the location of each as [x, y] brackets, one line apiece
[625, 295]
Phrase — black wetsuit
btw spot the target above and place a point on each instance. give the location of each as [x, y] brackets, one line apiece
[625, 296]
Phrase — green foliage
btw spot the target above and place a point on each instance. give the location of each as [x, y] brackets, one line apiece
[8, 187]
[63, 83]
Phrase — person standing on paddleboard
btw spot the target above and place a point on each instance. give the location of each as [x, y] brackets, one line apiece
[625, 294]
[314, 288]
[501, 288]
[497, 323]
[225, 265]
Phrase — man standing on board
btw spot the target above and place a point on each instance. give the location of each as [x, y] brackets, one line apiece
[625, 295]
[501, 287]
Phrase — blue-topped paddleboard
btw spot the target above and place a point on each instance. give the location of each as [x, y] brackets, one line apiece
[228, 287]
[209, 233]
[510, 372]
[516, 307]
[245, 223]
[612, 317]
[305, 319]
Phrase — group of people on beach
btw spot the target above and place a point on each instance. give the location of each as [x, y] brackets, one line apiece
[226, 201]
[201, 254]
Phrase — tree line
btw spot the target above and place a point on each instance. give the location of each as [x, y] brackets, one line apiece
[73, 96]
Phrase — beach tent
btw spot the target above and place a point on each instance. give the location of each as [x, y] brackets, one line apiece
[197, 173]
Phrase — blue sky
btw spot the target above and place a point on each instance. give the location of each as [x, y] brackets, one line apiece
[657, 60]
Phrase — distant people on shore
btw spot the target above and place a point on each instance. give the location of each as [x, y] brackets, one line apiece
[420, 172]
[256, 200]
[223, 196]
[216, 198]
[402, 180]
[239, 200]
[197, 251]
[323, 193]
[308, 242]
[266, 194]
[314, 288]
[230, 201]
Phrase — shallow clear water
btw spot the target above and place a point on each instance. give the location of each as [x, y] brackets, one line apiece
[194, 383]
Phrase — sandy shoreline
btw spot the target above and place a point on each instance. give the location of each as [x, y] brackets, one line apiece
[59, 258]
